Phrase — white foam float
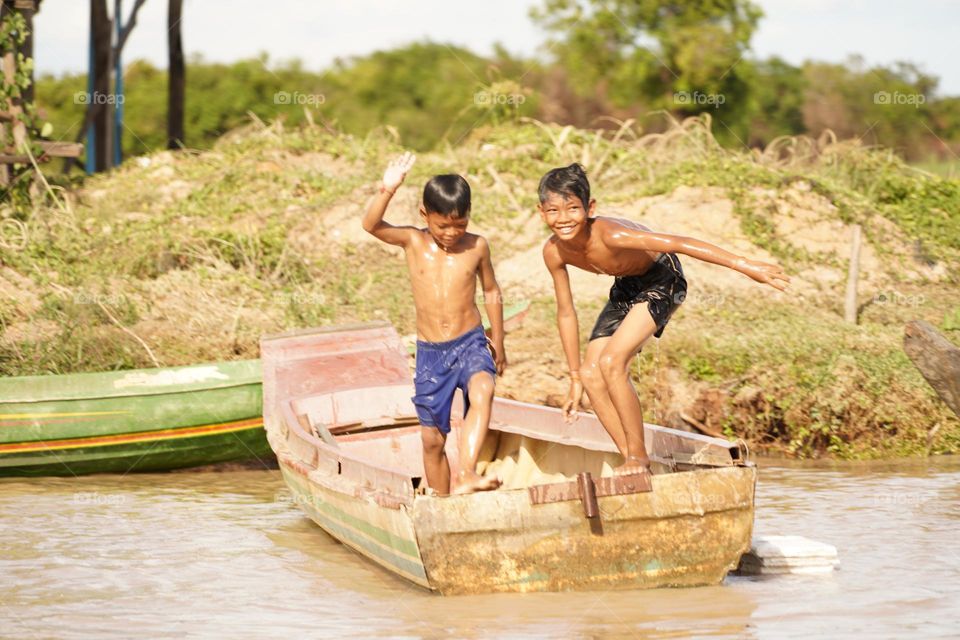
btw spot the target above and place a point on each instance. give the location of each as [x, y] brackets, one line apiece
[787, 554]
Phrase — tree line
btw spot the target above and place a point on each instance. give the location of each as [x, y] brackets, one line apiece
[606, 61]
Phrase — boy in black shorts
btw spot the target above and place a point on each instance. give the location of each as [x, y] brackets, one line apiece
[648, 287]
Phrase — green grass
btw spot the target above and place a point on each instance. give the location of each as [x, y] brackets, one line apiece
[942, 168]
[198, 254]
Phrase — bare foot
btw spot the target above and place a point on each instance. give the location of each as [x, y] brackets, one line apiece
[470, 481]
[633, 465]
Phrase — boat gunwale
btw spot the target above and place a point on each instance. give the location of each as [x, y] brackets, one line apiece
[555, 437]
[22, 384]
[391, 499]
[337, 328]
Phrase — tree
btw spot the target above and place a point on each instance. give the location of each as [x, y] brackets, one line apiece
[680, 55]
[778, 93]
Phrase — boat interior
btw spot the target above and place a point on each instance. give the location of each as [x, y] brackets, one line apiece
[340, 399]
[527, 444]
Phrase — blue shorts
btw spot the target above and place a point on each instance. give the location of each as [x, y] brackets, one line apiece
[444, 367]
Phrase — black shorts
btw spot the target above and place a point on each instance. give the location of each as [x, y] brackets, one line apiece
[662, 287]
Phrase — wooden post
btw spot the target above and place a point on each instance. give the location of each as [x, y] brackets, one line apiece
[177, 76]
[101, 33]
[27, 47]
[14, 111]
[853, 275]
[4, 169]
[13, 115]
[92, 113]
[118, 86]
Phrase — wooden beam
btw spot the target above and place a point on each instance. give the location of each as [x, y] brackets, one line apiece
[60, 149]
[52, 149]
[10, 159]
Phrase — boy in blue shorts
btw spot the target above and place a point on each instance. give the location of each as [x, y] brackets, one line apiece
[444, 262]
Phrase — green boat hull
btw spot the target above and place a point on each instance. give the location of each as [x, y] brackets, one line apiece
[127, 421]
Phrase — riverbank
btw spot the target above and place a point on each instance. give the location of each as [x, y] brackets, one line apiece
[189, 257]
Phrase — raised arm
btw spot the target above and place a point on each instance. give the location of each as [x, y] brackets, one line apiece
[373, 222]
[621, 237]
[567, 324]
[493, 303]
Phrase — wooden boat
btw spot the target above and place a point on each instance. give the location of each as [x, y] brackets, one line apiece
[134, 420]
[937, 359]
[338, 415]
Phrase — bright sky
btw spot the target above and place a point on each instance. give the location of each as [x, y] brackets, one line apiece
[317, 31]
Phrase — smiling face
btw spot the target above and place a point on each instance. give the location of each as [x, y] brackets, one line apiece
[565, 215]
[445, 230]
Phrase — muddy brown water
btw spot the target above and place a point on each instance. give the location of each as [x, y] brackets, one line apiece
[228, 554]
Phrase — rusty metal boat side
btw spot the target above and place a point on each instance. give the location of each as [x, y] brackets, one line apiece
[688, 529]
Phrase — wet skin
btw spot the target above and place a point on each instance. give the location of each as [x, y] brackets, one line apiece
[444, 261]
[617, 247]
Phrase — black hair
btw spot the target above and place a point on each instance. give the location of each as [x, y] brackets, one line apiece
[448, 195]
[570, 181]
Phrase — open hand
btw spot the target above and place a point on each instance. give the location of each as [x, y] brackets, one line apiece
[397, 171]
[765, 273]
[572, 404]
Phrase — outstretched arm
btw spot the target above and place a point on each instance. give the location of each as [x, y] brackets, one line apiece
[627, 238]
[373, 222]
[568, 326]
[493, 303]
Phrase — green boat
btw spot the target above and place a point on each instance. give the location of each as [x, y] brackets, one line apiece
[132, 420]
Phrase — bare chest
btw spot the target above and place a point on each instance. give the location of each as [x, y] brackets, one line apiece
[443, 268]
[602, 260]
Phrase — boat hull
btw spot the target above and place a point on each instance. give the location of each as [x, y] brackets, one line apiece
[498, 541]
[118, 422]
[382, 534]
[338, 415]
